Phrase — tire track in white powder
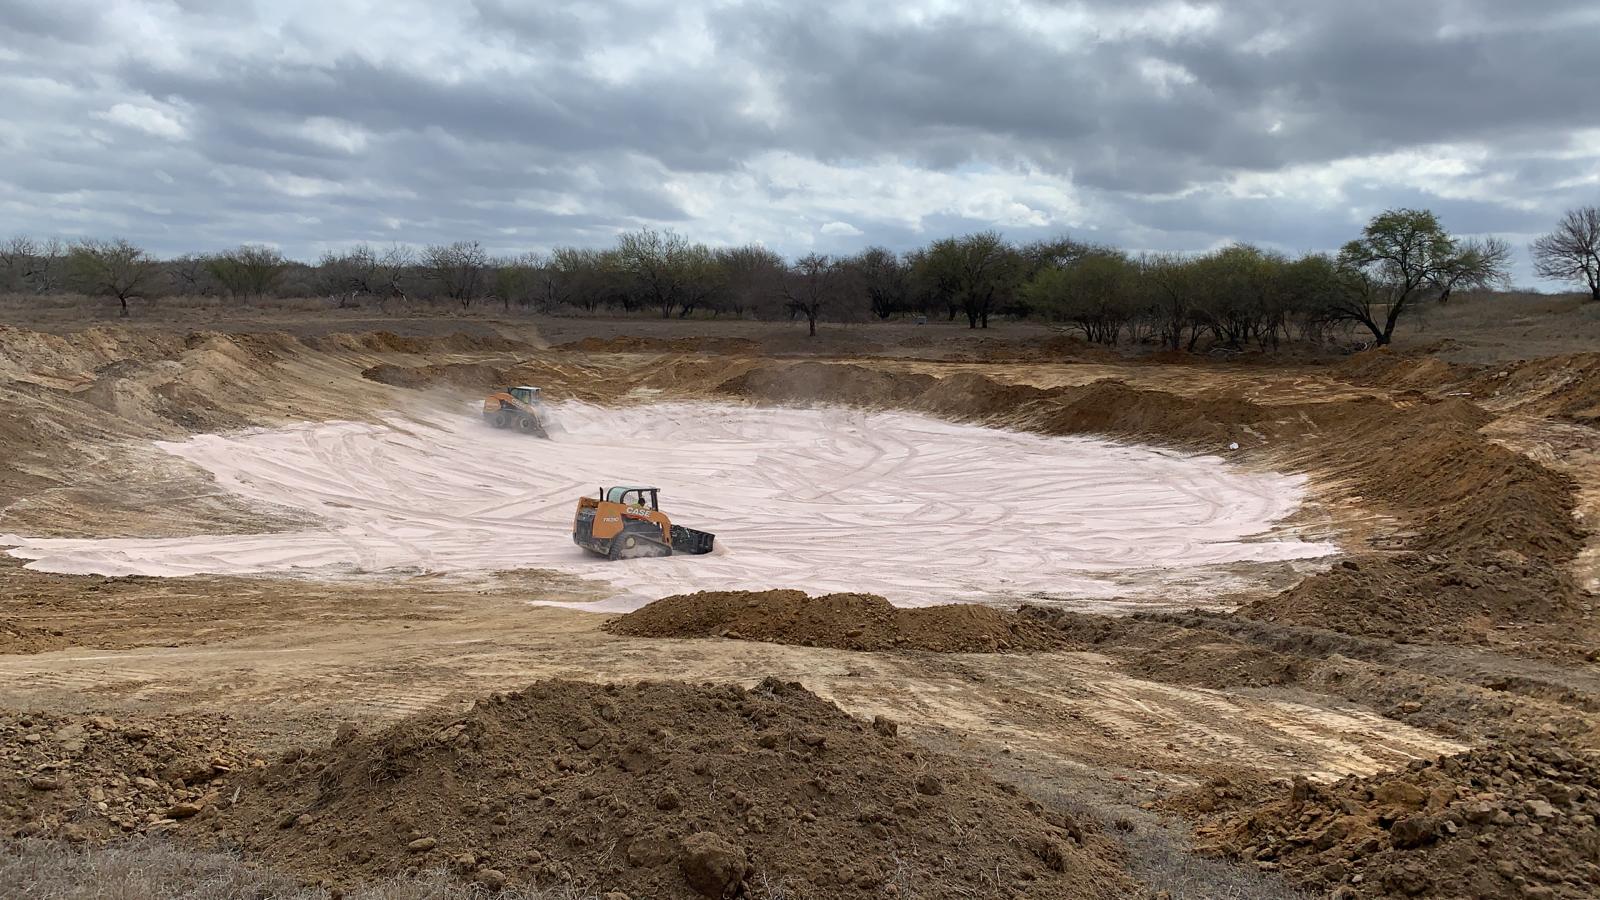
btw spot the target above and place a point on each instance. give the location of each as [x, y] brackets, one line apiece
[917, 509]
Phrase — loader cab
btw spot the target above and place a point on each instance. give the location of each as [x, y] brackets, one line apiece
[525, 394]
[632, 495]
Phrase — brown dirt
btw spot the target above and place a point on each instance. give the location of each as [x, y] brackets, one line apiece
[1497, 821]
[467, 375]
[634, 344]
[843, 621]
[1488, 522]
[93, 778]
[1407, 596]
[1478, 544]
[1444, 695]
[661, 790]
[1560, 387]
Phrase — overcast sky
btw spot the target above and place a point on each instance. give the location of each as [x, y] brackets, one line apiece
[200, 124]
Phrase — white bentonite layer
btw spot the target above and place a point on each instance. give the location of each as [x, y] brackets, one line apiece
[916, 509]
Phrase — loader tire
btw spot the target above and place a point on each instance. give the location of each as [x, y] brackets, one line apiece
[501, 419]
[528, 425]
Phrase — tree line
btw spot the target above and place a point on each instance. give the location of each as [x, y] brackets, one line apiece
[1235, 297]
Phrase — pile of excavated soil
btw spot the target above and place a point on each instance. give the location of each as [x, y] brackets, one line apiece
[1563, 387]
[1410, 596]
[842, 621]
[1498, 821]
[661, 790]
[91, 778]
[1391, 369]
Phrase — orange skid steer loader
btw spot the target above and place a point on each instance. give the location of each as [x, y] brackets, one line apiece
[519, 408]
[626, 522]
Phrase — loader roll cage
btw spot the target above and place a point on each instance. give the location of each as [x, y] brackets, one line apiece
[647, 497]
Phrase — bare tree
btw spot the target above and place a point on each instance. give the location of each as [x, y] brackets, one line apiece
[702, 282]
[1571, 253]
[519, 280]
[186, 274]
[1477, 264]
[250, 270]
[110, 269]
[32, 265]
[754, 277]
[459, 269]
[394, 268]
[813, 284]
[655, 260]
[16, 262]
[48, 265]
[348, 275]
[583, 277]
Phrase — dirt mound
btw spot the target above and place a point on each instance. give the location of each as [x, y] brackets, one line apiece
[843, 621]
[635, 344]
[464, 375]
[1112, 407]
[91, 778]
[1563, 387]
[662, 790]
[1417, 370]
[1407, 596]
[1492, 822]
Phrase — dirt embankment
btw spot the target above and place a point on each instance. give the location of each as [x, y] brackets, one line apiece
[636, 344]
[843, 621]
[1494, 530]
[1496, 821]
[1563, 387]
[90, 401]
[660, 790]
[1224, 652]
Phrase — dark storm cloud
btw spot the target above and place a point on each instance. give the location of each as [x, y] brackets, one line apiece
[1158, 125]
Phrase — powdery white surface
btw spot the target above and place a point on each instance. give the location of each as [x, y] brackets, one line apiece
[916, 509]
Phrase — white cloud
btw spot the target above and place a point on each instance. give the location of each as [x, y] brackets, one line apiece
[840, 229]
[335, 134]
[161, 122]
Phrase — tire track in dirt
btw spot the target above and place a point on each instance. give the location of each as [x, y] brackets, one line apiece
[1071, 707]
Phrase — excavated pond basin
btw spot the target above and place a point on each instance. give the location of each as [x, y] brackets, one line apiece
[916, 509]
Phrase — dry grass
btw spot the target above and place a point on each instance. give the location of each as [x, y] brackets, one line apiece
[1492, 327]
[34, 869]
